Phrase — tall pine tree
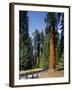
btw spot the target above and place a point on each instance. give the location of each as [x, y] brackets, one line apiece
[36, 40]
[25, 42]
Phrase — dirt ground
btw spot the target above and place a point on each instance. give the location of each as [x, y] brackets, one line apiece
[47, 74]
[44, 74]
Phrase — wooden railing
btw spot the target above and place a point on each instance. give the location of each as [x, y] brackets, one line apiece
[31, 72]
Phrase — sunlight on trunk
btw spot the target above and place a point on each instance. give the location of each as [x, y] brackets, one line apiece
[52, 64]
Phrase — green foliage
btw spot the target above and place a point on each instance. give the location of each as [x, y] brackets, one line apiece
[57, 53]
[60, 65]
[44, 58]
[36, 41]
[41, 41]
[26, 56]
[51, 19]
[62, 58]
[25, 43]
[60, 42]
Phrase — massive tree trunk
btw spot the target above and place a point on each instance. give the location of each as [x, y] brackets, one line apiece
[52, 63]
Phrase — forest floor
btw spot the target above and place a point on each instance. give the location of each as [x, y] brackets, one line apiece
[47, 74]
[44, 74]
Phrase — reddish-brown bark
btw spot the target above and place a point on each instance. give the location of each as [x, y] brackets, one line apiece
[52, 63]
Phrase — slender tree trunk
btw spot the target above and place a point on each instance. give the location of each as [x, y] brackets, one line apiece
[37, 61]
[38, 55]
[52, 63]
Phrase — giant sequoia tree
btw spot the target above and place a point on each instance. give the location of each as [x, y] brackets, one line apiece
[53, 19]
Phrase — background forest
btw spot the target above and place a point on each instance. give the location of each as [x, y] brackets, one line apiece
[43, 48]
